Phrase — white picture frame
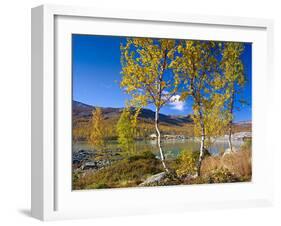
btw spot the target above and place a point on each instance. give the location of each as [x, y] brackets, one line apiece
[52, 197]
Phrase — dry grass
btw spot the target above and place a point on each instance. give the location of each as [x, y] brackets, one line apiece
[238, 163]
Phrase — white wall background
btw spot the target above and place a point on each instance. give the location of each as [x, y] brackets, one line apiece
[15, 111]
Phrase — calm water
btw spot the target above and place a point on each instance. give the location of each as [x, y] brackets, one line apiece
[172, 148]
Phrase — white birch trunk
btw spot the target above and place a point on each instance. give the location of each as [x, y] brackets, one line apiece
[230, 123]
[202, 145]
[162, 157]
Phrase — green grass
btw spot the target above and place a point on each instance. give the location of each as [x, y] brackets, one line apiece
[128, 172]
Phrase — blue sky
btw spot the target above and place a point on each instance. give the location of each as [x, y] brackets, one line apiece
[96, 76]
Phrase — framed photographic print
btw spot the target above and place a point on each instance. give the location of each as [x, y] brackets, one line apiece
[136, 113]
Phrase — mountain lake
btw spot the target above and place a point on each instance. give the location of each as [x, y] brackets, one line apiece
[171, 148]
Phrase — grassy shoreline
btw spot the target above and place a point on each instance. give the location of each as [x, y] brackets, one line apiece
[134, 170]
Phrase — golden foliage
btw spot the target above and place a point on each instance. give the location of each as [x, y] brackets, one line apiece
[97, 133]
[144, 63]
[126, 132]
[198, 68]
[187, 163]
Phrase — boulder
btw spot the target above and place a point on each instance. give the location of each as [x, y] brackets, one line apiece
[228, 151]
[81, 156]
[95, 164]
[89, 165]
[154, 180]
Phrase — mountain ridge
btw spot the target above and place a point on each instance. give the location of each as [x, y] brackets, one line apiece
[82, 110]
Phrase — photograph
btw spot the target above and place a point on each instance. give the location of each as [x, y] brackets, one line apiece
[149, 111]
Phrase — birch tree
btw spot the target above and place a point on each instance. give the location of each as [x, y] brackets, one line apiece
[147, 76]
[197, 65]
[97, 134]
[125, 131]
[233, 70]
[215, 117]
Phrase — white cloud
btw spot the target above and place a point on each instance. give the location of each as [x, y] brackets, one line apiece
[176, 103]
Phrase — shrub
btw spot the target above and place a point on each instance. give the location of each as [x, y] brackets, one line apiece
[222, 175]
[142, 155]
[75, 177]
[247, 145]
[96, 186]
[187, 163]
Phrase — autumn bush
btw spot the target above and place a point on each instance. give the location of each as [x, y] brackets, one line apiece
[187, 163]
[222, 175]
[217, 175]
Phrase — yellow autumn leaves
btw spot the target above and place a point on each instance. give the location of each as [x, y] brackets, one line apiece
[208, 72]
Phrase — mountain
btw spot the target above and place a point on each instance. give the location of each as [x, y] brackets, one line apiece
[84, 111]
[169, 124]
[242, 126]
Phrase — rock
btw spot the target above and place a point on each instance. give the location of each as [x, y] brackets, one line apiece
[190, 176]
[91, 160]
[228, 151]
[89, 165]
[206, 152]
[81, 156]
[95, 164]
[153, 136]
[154, 180]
